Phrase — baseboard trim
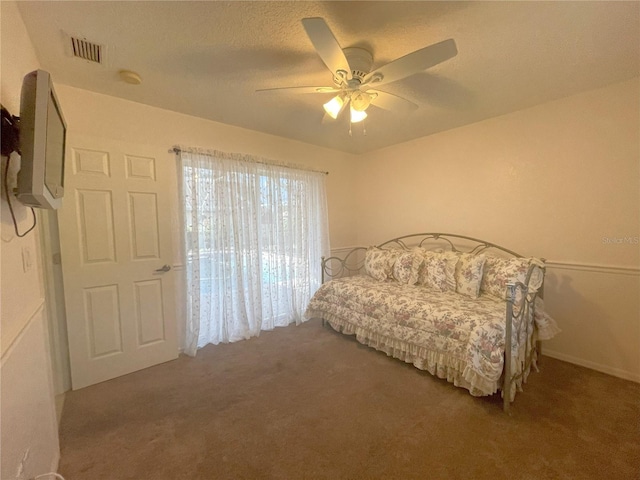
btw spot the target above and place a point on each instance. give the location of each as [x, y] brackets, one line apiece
[616, 372]
[594, 268]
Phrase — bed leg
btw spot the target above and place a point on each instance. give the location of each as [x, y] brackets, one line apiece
[506, 386]
[539, 350]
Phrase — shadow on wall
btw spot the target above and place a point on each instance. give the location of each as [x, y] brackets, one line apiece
[580, 319]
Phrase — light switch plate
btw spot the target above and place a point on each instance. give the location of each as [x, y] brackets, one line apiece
[27, 263]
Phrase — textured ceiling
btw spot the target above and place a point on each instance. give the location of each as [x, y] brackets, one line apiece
[207, 58]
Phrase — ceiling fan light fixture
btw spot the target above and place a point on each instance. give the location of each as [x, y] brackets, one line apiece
[334, 106]
[357, 115]
[360, 101]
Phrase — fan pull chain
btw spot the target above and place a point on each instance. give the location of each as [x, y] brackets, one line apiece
[364, 129]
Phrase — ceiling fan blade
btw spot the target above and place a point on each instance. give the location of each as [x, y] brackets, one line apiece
[299, 90]
[388, 101]
[412, 63]
[326, 45]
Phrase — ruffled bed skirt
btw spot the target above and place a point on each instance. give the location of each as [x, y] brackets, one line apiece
[440, 364]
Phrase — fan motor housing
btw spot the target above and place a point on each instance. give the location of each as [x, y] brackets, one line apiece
[360, 61]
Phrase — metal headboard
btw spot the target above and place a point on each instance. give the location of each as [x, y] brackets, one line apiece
[353, 262]
[481, 246]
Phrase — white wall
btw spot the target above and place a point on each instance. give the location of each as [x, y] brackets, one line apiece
[551, 181]
[27, 415]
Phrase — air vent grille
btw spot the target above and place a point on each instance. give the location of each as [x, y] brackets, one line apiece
[86, 50]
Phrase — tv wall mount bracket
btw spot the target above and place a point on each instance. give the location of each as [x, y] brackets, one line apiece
[10, 133]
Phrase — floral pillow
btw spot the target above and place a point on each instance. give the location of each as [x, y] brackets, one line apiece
[469, 274]
[378, 263]
[406, 268]
[451, 259]
[498, 272]
[433, 272]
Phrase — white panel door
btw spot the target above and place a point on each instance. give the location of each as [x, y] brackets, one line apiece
[115, 235]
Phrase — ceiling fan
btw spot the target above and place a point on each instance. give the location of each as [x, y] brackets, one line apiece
[355, 82]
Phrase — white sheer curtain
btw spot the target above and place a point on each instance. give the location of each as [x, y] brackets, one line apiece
[254, 237]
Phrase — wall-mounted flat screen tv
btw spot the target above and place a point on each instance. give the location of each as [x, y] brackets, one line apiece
[42, 143]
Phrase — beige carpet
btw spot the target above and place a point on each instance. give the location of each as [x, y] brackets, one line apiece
[306, 402]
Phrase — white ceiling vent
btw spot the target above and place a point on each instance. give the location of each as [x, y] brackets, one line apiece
[82, 48]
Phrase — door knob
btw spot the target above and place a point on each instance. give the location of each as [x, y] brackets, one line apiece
[164, 268]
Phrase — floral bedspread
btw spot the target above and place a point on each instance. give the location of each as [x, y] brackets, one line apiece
[445, 333]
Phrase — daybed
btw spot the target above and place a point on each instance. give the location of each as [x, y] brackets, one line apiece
[451, 311]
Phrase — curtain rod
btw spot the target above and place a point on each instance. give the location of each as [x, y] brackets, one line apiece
[178, 150]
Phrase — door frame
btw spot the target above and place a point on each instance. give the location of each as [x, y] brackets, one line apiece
[54, 303]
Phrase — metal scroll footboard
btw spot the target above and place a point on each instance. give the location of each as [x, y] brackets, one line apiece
[520, 316]
[520, 303]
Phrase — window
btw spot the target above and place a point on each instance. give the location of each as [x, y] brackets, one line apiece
[255, 235]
